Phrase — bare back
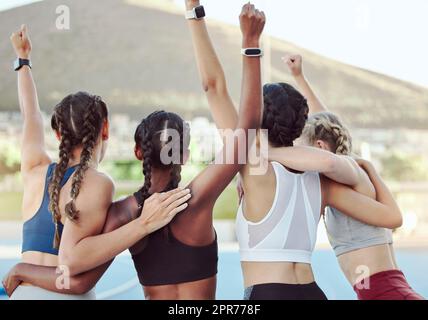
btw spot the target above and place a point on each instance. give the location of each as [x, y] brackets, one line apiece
[259, 197]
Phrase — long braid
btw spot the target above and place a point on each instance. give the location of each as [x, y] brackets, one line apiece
[343, 145]
[327, 127]
[91, 128]
[78, 120]
[65, 149]
[175, 177]
[147, 149]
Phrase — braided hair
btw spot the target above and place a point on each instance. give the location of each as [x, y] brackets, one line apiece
[150, 138]
[78, 119]
[285, 114]
[327, 127]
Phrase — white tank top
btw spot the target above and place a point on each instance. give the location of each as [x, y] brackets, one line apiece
[288, 232]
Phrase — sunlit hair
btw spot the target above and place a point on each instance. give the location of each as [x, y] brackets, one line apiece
[327, 127]
[79, 119]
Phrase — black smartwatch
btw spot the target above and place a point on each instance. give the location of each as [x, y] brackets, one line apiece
[19, 63]
[252, 52]
[196, 13]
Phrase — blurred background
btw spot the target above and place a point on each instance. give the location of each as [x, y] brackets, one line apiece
[364, 58]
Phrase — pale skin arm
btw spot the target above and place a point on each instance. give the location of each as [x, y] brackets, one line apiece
[33, 150]
[119, 214]
[211, 73]
[383, 194]
[342, 169]
[83, 247]
[295, 64]
[383, 213]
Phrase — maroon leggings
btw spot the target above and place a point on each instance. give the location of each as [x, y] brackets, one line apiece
[387, 285]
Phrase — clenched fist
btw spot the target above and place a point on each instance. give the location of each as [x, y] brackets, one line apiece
[21, 43]
[295, 64]
[252, 23]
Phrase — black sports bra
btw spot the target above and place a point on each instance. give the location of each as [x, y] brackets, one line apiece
[166, 260]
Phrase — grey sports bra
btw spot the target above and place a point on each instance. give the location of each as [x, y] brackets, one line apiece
[347, 234]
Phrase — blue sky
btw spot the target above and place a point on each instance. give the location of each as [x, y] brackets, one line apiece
[387, 36]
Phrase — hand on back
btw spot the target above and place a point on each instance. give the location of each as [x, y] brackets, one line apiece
[161, 208]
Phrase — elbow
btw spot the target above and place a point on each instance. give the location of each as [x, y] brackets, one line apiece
[70, 264]
[79, 287]
[214, 84]
[395, 220]
[398, 221]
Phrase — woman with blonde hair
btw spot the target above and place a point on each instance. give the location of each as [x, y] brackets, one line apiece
[278, 217]
[356, 243]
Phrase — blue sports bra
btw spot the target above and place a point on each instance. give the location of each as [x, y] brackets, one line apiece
[39, 231]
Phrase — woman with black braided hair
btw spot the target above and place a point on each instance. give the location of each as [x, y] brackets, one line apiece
[178, 261]
[364, 247]
[278, 217]
[63, 220]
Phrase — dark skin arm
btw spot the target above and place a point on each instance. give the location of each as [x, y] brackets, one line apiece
[119, 214]
[158, 211]
[194, 226]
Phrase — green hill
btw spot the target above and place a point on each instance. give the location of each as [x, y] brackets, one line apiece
[137, 54]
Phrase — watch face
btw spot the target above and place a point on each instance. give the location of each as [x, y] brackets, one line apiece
[253, 52]
[200, 12]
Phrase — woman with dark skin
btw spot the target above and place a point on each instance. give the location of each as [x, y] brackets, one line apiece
[285, 115]
[192, 231]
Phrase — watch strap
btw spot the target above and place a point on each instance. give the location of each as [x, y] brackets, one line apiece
[190, 14]
[246, 52]
[19, 63]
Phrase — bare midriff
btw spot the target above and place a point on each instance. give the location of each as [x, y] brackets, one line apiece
[197, 290]
[363, 263]
[276, 272]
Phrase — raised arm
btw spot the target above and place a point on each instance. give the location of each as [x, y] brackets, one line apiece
[211, 182]
[383, 213]
[211, 72]
[342, 169]
[295, 64]
[33, 150]
[120, 213]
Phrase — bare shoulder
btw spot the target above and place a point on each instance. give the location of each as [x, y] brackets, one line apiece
[97, 179]
[254, 176]
[96, 192]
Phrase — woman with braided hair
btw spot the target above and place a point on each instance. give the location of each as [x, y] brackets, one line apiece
[63, 220]
[178, 261]
[356, 240]
[278, 217]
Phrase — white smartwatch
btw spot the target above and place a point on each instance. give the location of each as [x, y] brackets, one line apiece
[196, 13]
[252, 52]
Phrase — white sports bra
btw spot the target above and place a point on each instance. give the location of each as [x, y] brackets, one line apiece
[288, 232]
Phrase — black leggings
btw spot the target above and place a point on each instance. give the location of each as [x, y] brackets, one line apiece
[279, 291]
